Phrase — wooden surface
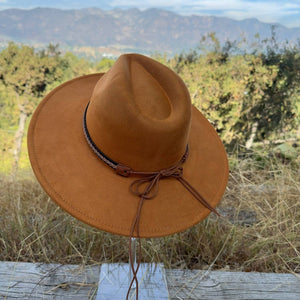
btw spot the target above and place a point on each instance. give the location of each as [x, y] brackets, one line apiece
[47, 281]
[232, 285]
[53, 281]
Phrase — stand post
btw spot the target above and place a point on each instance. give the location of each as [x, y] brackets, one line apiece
[115, 279]
[133, 255]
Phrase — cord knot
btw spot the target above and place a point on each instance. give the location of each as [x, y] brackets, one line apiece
[147, 186]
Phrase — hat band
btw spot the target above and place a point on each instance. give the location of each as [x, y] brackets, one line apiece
[119, 168]
[146, 187]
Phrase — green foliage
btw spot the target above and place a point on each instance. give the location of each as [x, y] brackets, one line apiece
[246, 96]
[74, 66]
[27, 73]
[104, 64]
[26, 76]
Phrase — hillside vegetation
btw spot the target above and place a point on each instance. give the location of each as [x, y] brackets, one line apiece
[248, 97]
[252, 100]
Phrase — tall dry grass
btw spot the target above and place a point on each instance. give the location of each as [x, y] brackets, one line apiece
[260, 230]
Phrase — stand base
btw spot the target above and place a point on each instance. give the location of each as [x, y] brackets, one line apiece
[114, 282]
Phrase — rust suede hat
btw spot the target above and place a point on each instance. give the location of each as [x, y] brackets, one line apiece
[104, 145]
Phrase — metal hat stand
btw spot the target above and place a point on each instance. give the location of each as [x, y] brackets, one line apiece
[115, 279]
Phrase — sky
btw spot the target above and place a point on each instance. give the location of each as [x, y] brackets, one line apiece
[285, 12]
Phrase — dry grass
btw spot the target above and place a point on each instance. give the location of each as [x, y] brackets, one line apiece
[260, 231]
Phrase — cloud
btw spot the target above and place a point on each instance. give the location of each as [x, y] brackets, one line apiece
[265, 10]
[269, 11]
[147, 3]
[286, 12]
[207, 4]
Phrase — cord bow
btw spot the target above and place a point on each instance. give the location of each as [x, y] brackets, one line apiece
[151, 182]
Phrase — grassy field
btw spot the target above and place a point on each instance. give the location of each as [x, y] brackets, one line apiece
[260, 230]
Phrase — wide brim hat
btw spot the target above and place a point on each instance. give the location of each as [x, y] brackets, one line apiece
[139, 115]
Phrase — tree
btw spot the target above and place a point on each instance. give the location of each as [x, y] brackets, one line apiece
[19, 74]
[284, 93]
[74, 66]
[26, 74]
[104, 64]
[245, 97]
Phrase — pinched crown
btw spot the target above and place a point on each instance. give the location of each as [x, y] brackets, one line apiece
[140, 113]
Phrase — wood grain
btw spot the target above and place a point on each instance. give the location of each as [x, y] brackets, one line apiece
[54, 281]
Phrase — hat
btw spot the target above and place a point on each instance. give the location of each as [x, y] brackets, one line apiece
[126, 152]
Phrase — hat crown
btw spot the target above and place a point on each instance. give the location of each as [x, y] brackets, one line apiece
[140, 113]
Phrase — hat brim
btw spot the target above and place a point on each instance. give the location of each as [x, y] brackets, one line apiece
[92, 192]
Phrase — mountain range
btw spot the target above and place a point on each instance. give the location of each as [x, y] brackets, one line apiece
[129, 29]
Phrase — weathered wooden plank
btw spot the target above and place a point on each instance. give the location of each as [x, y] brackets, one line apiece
[54, 281]
[192, 284]
[47, 281]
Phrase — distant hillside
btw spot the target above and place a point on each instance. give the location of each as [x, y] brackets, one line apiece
[144, 31]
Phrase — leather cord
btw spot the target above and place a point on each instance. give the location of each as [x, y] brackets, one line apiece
[150, 181]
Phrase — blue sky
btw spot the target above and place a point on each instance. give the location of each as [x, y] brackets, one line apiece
[285, 12]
